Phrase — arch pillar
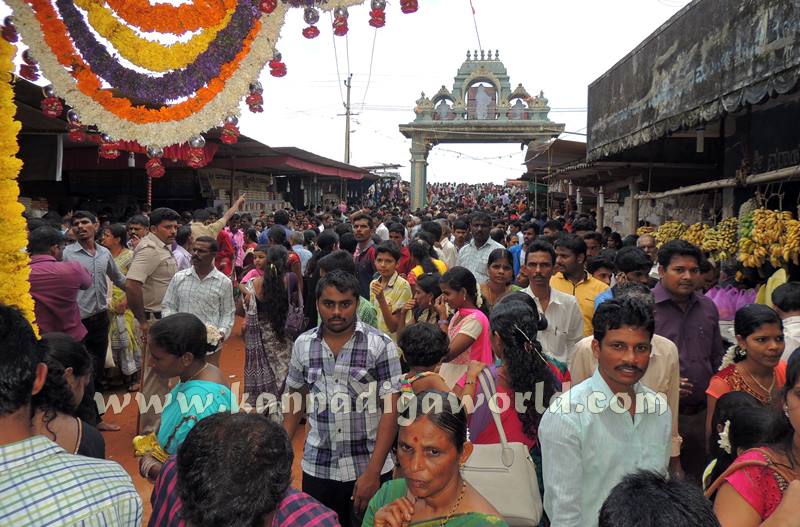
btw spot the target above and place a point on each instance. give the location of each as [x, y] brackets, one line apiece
[419, 172]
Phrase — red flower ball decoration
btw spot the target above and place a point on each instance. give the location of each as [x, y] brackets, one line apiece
[268, 6]
[311, 32]
[255, 102]
[277, 68]
[52, 107]
[155, 169]
[109, 150]
[196, 157]
[409, 6]
[9, 32]
[29, 71]
[340, 26]
[229, 134]
[377, 18]
[76, 132]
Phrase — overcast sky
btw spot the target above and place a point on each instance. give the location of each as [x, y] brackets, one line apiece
[558, 46]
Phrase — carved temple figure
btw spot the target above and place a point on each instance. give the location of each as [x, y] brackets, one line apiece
[482, 101]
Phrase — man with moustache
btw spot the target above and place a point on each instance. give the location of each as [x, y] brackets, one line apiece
[691, 321]
[564, 319]
[341, 362]
[203, 291]
[475, 254]
[149, 274]
[608, 426]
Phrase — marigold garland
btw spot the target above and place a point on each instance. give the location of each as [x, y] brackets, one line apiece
[151, 55]
[56, 41]
[166, 18]
[14, 262]
[172, 85]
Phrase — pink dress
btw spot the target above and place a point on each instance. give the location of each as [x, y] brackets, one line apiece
[481, 349]
[758, 486]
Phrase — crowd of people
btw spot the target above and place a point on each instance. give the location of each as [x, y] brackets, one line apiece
[405, 346]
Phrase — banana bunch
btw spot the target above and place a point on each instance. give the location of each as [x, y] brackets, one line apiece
[646, 229]
[751, 254]
[763, 236]
[791, 245]
[695, 234]
[671, 230]
[769, 230]
[721, 240]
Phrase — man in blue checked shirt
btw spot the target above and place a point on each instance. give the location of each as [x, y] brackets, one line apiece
[40, 483]
[351, 372]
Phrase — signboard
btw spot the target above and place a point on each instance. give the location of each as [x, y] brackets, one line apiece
[711, 57]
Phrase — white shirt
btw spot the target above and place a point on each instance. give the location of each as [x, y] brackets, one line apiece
[791, 336]
[476, 260]
[447, 253]
[589, 444]
[382, 231]
[210, 299]
[564, 325]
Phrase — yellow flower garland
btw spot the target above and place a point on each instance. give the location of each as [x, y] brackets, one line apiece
[14, 268]
[146, 53]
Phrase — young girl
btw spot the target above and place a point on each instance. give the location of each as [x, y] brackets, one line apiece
[739, 423]
[501, 276]
[267, 346]
[422, 306]
[259, 262]
[422, 262]
[468, 329]
[424, 347]
[754, 364]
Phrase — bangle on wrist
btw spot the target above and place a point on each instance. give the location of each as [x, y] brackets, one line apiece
[468, 382]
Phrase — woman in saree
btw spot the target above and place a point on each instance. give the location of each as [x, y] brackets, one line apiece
[433, 493]
[177, 347]
[468, 329]
[123, 330]
[761, 488]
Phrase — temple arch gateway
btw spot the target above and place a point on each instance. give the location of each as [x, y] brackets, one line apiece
[481, 108]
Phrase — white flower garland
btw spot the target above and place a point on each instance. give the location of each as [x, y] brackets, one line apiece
[724, 440]
[163, 133]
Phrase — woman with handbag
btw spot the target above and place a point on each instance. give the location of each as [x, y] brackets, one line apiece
[431, 448]
[761, 488]
[268, 301]
[524, 369]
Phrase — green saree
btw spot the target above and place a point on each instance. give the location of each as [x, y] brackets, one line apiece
[396, 488]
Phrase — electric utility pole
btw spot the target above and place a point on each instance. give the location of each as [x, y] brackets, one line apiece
[348, 83]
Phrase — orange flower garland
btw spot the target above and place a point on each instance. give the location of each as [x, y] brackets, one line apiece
[166, 18]
[55, 34]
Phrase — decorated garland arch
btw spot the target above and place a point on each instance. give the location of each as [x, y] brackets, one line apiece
[189, 86]
[121, 68]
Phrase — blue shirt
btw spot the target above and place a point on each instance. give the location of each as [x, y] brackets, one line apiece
[100, 265]
[589, 443]
[608, 294]
[516, 252]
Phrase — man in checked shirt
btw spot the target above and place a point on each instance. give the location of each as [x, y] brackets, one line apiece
[344, 361]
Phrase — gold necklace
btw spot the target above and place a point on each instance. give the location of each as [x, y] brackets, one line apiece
[768, 391]
[455, 507]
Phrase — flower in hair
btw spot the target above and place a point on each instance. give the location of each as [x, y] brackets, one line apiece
[724, 440]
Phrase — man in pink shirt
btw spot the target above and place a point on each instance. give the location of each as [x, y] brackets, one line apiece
[55, 284]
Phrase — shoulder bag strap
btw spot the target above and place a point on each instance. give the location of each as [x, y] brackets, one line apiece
[489, 390]
[783, 471]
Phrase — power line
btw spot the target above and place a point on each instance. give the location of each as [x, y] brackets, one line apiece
[338, 75]
[369, 76]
